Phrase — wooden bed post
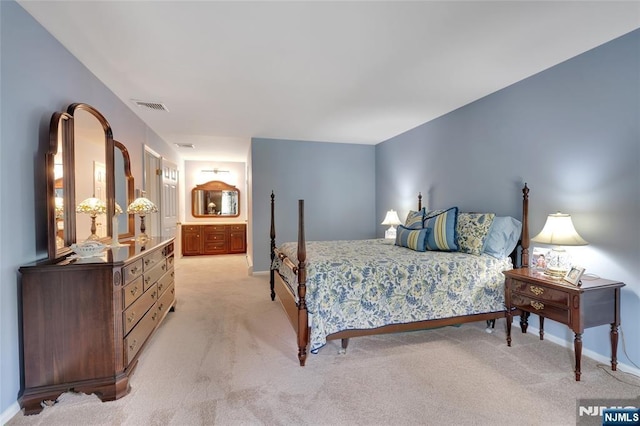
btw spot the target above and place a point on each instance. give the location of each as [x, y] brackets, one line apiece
[303, 316]
[273, 246]
[419, 201]
[524, 243]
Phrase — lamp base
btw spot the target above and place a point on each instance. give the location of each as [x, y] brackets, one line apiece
[390, 234]
[93, 237]
[142, 238]
[555, 272]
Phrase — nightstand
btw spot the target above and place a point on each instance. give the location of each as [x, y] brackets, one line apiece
[595, 302]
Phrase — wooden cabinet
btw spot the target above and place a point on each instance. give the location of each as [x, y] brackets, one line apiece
[214, 239]
[595, 302]
[85, 321]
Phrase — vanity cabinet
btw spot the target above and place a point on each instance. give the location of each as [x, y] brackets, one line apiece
[208, 239]
[85, 321]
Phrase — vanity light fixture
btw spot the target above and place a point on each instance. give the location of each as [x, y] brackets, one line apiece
[391, 219]
[142, 206]
[92, 206]
[559, 231]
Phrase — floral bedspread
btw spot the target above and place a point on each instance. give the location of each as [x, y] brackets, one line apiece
[362, 284]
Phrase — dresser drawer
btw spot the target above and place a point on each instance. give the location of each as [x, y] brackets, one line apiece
[215, 247]
[541, 307]
[132, 291]
[134, 340]
[239, 227]
[152, 276]
[543, 293]
[166, 300]
[165, 282]
[152, 259]
[214, 228]
[136, 311]
[170, 262]
[132, 271]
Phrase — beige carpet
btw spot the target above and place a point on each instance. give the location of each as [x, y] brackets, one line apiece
[227, 356]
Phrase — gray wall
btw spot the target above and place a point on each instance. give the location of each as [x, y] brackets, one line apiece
[573, 133]
[335, 180]
[40, 77]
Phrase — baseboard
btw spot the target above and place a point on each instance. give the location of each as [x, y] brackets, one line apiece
[8, 414]
[586, 352]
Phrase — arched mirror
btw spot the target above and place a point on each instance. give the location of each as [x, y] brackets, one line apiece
[215, 199]
[85, 193]
[124, 189]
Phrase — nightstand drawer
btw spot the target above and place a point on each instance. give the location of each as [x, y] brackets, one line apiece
[541, 307]
[543, 293]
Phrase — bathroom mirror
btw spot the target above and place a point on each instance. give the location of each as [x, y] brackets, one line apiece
[215, 199]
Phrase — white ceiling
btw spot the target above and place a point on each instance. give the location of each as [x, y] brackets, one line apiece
[355, 72]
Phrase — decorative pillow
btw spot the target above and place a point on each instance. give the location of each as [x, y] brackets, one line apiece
[472, 230]
[415, 239]
[414, 219]
[503, 236]
[442, 223]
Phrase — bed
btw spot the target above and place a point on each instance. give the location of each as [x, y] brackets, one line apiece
[441, 270]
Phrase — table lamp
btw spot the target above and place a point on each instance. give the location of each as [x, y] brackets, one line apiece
[559, 231]
[142, 206]
[391, 219]
[92, 206]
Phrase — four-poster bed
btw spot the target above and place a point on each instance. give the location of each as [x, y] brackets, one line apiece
[341, 289]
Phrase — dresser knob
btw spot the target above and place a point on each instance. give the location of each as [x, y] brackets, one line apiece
[134, 291]
[131, 317]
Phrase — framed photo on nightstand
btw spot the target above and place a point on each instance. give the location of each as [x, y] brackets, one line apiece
[539, 258]
[574, 274]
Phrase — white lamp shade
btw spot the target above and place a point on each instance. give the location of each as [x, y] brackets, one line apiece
[559, 230]
[391, 218]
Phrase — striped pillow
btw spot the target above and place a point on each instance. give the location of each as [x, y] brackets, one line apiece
[443, 229]
[415, 239]
[414, 219]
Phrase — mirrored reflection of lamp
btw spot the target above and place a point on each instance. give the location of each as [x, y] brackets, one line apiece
[59, 203]
[559, 231]
[93, 207]
[392, 220]
[114, 226]
[142, 206]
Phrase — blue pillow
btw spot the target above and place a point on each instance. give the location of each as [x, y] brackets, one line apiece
[503, 236]
[415, 239]
[414, 219]
[443, 229]
[472, 230]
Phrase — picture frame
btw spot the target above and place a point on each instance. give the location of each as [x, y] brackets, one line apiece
[539, 258]
[574, 275]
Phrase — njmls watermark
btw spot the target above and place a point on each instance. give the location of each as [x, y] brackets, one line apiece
[608, 412]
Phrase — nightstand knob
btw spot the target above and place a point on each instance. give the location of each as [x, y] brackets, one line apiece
[537, 305]
[536, 290]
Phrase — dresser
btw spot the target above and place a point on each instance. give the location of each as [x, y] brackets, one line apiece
[203, 239]
[595, 302]
[85, 321]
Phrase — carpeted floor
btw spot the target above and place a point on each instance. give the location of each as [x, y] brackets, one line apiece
[227, 356]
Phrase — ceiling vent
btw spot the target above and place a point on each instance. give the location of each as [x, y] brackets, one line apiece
[185, 145]
[156, 106]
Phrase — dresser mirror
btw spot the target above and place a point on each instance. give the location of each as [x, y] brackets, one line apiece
[80, 164]
[124, 188]
[215, 199]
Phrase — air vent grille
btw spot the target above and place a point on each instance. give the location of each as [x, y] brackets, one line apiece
[156, 106]
[185, 145]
